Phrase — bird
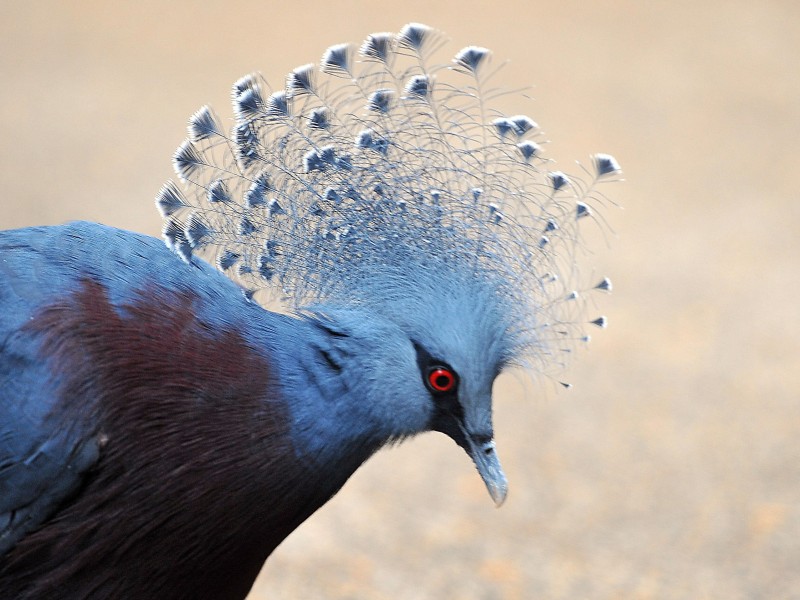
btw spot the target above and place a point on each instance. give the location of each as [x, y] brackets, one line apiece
[350, 262]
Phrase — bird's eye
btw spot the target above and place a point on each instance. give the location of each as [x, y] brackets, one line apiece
[441, 379]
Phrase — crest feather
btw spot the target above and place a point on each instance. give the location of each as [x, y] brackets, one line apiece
[358, 179]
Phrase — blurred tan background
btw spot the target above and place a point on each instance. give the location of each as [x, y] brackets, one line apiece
[672, 468]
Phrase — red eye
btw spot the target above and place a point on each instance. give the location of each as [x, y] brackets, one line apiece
[441, 379]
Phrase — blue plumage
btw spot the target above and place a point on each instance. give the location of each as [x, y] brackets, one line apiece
[161, 432]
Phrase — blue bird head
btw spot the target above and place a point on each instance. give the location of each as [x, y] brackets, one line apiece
[379, 194]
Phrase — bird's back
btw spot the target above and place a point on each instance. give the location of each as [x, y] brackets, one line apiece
[138, 399]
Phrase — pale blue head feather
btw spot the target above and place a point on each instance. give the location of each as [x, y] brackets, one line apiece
[389, 182]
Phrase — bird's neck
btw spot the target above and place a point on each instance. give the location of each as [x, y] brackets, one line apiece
[342, 381]
[200, 458]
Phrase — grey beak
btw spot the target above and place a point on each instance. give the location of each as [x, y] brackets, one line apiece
[480, 447]
[484, 456]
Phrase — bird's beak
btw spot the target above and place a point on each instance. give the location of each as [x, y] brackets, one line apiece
[484, 456]
[481, 449]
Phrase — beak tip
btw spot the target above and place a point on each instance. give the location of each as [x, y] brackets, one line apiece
[498, 490]
[499, 495]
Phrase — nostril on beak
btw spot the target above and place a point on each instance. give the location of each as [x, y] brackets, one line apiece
[483, 439]
[485, 443]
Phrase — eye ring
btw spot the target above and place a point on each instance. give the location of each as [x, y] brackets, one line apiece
[441, 380]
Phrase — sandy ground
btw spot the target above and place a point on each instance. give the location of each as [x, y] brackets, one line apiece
[672, 469]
